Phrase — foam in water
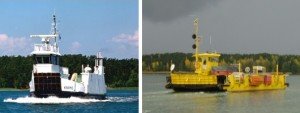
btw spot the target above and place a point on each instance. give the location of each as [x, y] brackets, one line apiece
[56, 100]
[51, 100]
[123, 99]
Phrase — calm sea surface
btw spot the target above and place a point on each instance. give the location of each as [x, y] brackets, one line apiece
[157, 99]
[118, 101]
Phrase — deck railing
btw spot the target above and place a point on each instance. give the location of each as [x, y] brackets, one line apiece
[47, 47]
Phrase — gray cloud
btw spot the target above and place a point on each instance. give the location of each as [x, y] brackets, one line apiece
[168, 10]
[236, 26]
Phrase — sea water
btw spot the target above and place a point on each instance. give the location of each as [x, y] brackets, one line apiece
[118, 101]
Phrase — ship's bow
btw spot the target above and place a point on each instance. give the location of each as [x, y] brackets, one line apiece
[46, 84]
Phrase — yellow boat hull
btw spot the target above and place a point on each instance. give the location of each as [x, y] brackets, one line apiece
[252, 88]
[195, 81]
[277, 82]
[192, 81]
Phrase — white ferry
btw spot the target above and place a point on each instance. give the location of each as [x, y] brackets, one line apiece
[50, 79]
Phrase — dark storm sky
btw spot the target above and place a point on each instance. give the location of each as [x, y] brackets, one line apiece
[236, 26]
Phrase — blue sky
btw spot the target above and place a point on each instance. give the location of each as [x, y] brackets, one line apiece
[86, 27]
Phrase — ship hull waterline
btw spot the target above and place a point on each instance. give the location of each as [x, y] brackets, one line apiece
[65, 94]
[221, 87]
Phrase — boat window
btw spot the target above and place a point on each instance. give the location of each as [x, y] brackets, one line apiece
[42, 60]
[50, 59]
[38, 60]
[57, 60]
[215, 60]
[53, 60]
[46, 60]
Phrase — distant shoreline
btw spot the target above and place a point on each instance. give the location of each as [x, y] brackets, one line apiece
[12, 89]
[161, 72]
[156, 72]
[167, 72]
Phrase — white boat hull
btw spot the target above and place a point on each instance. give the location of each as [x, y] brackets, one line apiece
[51, 84]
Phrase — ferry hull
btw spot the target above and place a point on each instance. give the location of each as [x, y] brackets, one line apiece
[249, 88]
[47, 83]
[51, 84]
[194, 87]
[65, 94]
[235, 88]
[194, 82]
[276, 82]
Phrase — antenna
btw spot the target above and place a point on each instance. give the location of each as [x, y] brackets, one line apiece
[210, 43]
[210, 39]
[54, 30]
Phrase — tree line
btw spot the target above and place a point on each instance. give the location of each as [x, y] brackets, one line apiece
[185, 61]
[15, 71]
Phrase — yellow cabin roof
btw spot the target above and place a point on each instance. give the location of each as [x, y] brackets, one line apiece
[208, 55]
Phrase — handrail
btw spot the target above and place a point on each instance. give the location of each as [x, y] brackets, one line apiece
[42, 47]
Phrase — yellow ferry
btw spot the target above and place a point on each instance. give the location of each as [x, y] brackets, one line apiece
[209, 76]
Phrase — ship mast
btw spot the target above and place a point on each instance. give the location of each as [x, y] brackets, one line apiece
[197, 38]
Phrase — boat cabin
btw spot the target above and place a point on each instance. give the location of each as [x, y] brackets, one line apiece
[205, 62]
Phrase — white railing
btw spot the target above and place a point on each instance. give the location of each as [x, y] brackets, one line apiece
[48, 47]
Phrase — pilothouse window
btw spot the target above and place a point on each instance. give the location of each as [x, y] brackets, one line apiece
[39, 60]
[46, 60]
[52, 59]
[55, 60]
[215, 60]
[42, 60]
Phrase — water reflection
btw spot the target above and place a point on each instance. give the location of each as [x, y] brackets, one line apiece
[226, 102]
[254, 101]
[255, 98]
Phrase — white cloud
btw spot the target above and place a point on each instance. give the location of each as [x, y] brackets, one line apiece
[128, 39]
[75, 46]
[3, 37]
[127, 45]
[14, 45]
